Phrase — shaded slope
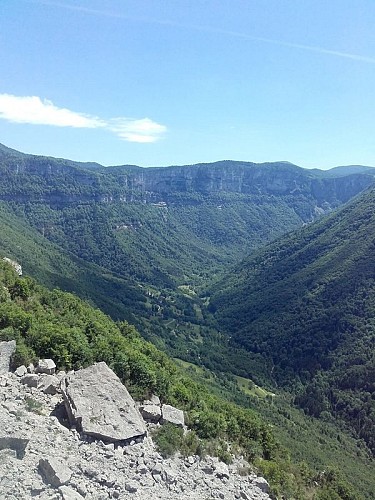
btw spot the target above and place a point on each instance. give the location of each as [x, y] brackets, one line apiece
[57, 267]
[307, 304]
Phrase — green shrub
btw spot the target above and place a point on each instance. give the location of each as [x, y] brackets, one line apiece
[171, 439]
[168, 439]
[33, 406]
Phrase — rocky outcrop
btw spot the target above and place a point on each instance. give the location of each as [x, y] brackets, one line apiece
[99, 405]
[7, 349]
[17, 267]
[41, 458]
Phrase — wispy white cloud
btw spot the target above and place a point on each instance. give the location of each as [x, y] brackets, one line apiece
[208, 29]
[144, 130]
[33, 110]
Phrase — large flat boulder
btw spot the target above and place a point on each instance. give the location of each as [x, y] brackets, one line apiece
[99, 405]
[7, 350]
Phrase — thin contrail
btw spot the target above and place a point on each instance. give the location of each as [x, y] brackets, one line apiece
[310, 48]
[235, 34]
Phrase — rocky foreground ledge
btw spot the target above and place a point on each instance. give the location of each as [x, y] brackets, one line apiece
[48, 454]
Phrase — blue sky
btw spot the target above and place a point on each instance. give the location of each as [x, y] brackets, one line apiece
[166, 82]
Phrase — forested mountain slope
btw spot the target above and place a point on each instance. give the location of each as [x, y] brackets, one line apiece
[306, 304]
[57, 267]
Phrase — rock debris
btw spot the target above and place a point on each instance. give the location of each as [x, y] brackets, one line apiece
[43, 457]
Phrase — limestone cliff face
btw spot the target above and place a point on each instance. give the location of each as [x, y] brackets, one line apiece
[278, 179]
[57, 181]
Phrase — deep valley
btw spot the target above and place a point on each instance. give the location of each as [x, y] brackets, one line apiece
[257, 278]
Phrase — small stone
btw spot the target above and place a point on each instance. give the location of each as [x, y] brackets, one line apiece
[31, 368]
[131, 486]
[91, 473]
[158, 469]
[221, 470]
[36, 487]
[207, 468]
[146, 482]
[46, 366]
[69, 494]
[31, 380]
[21, 371]
[262, 484]
[54, 472]
[61, 374]
[142, 469]
[6, 455]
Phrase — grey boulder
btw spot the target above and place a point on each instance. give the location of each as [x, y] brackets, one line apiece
[151, 413]
[46, 366]
[21, 371]
[99, 405]
[31, 380]
[49, 384]
[172, 415]
[18, 445]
